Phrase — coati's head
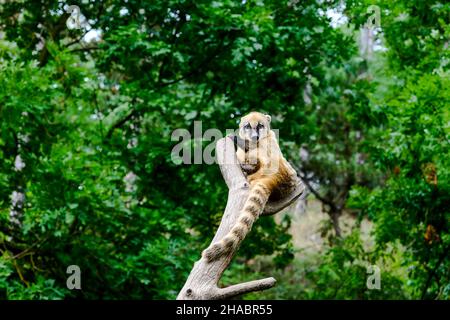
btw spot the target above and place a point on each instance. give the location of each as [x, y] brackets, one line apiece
[254, 127]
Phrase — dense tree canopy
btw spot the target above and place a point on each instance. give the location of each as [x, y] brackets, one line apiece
[88, 107]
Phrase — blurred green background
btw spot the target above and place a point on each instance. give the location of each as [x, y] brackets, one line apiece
[89, 100]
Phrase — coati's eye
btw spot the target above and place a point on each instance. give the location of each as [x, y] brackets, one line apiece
[248, 126]
[260, 126]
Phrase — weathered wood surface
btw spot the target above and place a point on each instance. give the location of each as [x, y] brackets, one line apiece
[202, 283]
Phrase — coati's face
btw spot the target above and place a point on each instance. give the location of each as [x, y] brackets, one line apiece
[254, 126]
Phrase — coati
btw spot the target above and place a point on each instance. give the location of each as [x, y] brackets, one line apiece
[268, 173]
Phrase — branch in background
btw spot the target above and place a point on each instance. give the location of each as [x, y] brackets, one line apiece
[315, 192]
[120, 123]
[432, 272]
[334, 212]
[79, 39]
[85, 49]
[204, 63]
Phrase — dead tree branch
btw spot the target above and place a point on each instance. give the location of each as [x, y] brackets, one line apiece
[202, 283]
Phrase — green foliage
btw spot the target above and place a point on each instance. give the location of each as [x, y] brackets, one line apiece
[412, 207]
[338, 272]
[343, 273]
[92, 123]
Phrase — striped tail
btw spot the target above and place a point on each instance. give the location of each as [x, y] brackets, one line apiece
[253, 207]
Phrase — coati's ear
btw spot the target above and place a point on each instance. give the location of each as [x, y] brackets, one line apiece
[268, 117]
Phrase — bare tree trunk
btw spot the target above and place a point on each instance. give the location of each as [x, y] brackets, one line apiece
[202, 283]
[335, 219]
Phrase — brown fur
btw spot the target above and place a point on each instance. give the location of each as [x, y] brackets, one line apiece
[269, 175]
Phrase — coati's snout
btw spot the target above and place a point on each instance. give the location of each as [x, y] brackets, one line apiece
[254, 126]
